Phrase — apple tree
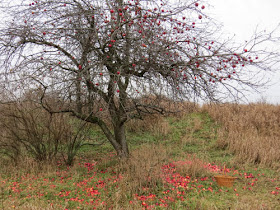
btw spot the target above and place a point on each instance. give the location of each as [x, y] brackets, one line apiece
[108, 61]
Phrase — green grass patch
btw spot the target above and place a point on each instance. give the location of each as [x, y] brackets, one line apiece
[181, 180]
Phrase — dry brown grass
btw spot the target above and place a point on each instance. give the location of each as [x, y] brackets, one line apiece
[156, 124]
[193, 167]
[251, 131]
[140, 173]
[34, 205]
[251, 202]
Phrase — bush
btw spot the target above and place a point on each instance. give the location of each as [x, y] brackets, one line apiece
[28, 129]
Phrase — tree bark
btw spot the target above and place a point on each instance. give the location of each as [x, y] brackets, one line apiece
[120, 137]
[118, 140]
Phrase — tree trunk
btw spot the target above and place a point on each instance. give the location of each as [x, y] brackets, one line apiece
[118, 140]
[120, 137]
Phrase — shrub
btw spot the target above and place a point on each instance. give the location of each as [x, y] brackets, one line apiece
[28, 129]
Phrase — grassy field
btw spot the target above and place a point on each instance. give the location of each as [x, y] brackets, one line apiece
[172, 166]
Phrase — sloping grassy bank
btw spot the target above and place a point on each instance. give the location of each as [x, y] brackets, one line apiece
[172, 165]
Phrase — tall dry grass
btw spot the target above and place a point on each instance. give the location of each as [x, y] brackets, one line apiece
[192, 166]
[141, 173]
[251, 131]
[157, 123]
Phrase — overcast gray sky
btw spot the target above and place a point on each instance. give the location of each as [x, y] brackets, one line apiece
[241, 17]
